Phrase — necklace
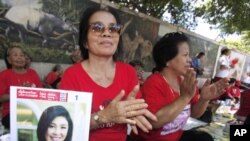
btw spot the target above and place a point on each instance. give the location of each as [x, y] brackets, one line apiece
[171, 89]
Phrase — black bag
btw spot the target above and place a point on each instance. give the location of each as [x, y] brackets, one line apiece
[207, 116]
[198, 71]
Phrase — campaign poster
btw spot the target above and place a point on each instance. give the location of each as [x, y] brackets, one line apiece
[237, 71]
[48, 114]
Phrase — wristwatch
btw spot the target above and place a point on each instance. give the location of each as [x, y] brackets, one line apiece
[97, 118]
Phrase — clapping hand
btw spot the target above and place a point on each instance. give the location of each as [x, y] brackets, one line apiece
[141, 120]
[188, 85]
[130, 111]
[211, 91]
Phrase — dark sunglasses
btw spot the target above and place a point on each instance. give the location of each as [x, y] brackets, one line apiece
[99, 27]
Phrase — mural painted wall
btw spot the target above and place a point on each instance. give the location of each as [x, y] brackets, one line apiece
[246, 70]
[48, 31]
[138, 36]
[210, 49]
[237, 71]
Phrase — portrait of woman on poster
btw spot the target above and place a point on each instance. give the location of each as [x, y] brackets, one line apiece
[55, 124]
[114, 84]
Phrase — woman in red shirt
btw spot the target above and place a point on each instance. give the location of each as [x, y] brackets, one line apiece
[172, 95]
[114, 84]
[244, 110]
[16, 75]
[53, 76]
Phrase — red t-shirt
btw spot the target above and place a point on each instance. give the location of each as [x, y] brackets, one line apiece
[234, 91]
[157, 94]
[51, 77]
[9, 78]
[244, 104]
[76, 78]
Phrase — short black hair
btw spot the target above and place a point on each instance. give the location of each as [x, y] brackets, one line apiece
[166, 48]
[84, 28]
[224, 51]
[200, 54]
[154, 70]
[232, 81]
[56, 68]
[48, 116]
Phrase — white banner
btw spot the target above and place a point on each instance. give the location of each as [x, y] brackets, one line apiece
[47, 114]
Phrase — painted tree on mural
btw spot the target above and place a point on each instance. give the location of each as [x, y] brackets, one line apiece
[66, 9]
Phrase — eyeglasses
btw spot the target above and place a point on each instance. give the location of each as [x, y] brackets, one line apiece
[99, 28]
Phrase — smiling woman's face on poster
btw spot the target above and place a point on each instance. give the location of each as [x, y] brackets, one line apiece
[57, 130]
[53, 115]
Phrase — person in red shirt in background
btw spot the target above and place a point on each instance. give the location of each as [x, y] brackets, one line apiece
[234, 91]
[114, 84]
[172, 95]
[54, 75]
[16, 75]
[244, 111]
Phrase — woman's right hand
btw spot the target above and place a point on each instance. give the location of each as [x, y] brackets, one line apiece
[188, 85]
[122, 111]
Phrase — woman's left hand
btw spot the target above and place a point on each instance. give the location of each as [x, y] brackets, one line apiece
[141, 121]
[211, 91]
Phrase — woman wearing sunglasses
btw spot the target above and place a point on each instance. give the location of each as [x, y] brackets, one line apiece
[114, 84]
[172, 95]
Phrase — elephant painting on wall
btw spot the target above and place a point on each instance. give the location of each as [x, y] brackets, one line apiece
[47, 30]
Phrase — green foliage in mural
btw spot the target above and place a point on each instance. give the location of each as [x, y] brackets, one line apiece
[65, 9]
